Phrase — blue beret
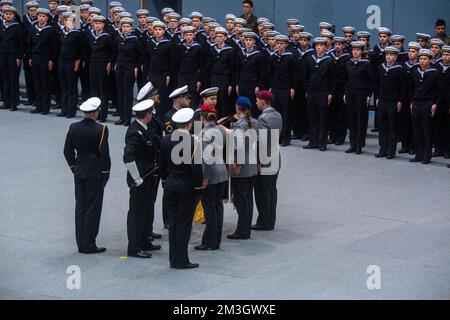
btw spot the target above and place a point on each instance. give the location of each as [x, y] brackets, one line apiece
[244, 102]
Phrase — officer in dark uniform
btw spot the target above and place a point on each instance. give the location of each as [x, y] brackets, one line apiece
[405, 123]
[283, 76]
[161, 61]
[181, 182]
[12, 44]
[29, 20]
[320, 77]
[100, 62]
[266, 180]
[140, 158]
[87, 153]
[43, 47]
[426, 84]
[390, 88]
[71, 51]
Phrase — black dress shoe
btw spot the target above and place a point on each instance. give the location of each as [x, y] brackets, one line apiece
[411, 152]
[380, 155]
[188, 266]
[151, 247]
[437, 153]
[403, 150]
[285, 143]
[119, 122]
[126, 123]
[46, 112]
[61, 114]
[390, 157]
[155, 235]
[304, 137]
[426, 161]
[358, 151]
[323, 149]
[259, 227]
[350, 150]
[296, 136]
[13, 109]
[237, 236]
[310, 146]
[92, 250]
[69, 116]
[35, 111]
[374, 130]
[339, 143]
[204, 248]
[415, 160]
[140, 254]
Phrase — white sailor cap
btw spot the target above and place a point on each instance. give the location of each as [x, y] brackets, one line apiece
[158, 24]
[6, 2]
[185, 21]
[414, 45]
[144, 105]
[62, 8]
[243, 30]
[398, 38]
[327, 34]
[325, 25]
[320, 40]
[98, 18]
[213, 25]
[348, 29]
[268, 25]
[126, 20]
[183, 115]
[146, 91]
[117, 10]
[425, 36]
[339, 40]
[43, 11]
[436, 42]
[69, 15]
[272, 34]
[196, 14]
[167, 10]
[282, 38]
[384, 30]
[358, 44]
[89, 2]
[210, 92]
[297, 27]
[305, 35]
[151, 19]
[240, 21]
[261, 20]
[9, 9]
[221, 30]
[125, 14]
[250, 34]
[292, 21]
[95, 10]
[427, 53]
[446, 49]
[142, 12]
[113, 4]
[391, 49]
[84, 7]
[208, 20]
[174, 16]
[180, 92]
[230, 17]
[363, 34]
[90, 104]
[188, 29]
[31, 4]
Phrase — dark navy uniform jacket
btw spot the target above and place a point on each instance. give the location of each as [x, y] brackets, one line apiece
[43, 41]
[320, 74]
[12, 39]
[101, 47]
[426, 84]
[391, 82]
[250, 67]
[360, 77]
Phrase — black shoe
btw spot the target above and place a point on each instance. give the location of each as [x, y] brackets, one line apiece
[411, 152]
[403, 150]
[116, 114]
[358, 151]
[437, 153]
[151, 247]
[426, 161]
[61, 114]
[296, 136]
[188, 266]
[69, 116]
[237, 236]
[259, 228]
[304, 137]
[374, 130]
[140, 254]
[92, 250]
[285, 143]
[390, 157]
[446, 155]
[35, 111]
[126, 123]
[13, 109]
[155, 235]
[309, 146]
[204, 248]
[380, 155]
[323, 149]
[340, 142]
[350, 150]
[119, 122]
[46, 112]
[415, 160]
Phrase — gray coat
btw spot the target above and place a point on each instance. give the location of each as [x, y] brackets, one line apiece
[270, 119]
[214, 167]
[246, 157]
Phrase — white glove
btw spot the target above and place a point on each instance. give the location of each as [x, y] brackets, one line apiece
[134, 172]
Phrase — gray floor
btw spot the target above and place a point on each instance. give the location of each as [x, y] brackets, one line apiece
[337, 215]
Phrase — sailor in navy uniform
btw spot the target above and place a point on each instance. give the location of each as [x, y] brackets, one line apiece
[12, 46]
[364, 36]
[85, 27]
[444, 67]
[271, 44]
[229, 23]
[436, 47]
[181, 99]
[141, 158]
[405, 123]
[43, 52]
[422, 39]
[87, 153]
[390, 88]
[398, 41]
[100, 63]
[426, 84]
[29, 20]
[349, 35]
[173, 26]
[52, 6]
[181, 182]
[165, 14]
[200, 35]
[338, 123]
[140, 32]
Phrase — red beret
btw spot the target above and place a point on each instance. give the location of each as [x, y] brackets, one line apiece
[208, 108]
[265, 95]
